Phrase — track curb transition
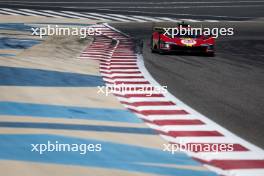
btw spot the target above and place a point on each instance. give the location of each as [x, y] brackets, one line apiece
[173, 120]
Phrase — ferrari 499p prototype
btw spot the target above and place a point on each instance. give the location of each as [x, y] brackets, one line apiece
[164, 43]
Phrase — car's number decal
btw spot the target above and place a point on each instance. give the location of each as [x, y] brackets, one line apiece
[188, 41]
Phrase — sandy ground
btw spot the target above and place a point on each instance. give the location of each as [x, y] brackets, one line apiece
[58, 53]
[57, 170]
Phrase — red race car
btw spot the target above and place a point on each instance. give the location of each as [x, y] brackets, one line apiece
[164, 41]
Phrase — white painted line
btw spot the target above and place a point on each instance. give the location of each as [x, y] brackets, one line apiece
[4, 13]
[87, 16]
[212, 21]
[147, 18]
[8, 13]
[127, 17]
[168, 19]
[39, 13]
[17, 12]
[61, 14]
[140, 3]
[83, 16]
[189, 20]
[30, 13]
[108, 17]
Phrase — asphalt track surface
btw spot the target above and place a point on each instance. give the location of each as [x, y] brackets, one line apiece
[206, 9]
[227, 88]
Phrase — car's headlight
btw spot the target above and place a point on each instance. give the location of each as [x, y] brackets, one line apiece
[166, 45]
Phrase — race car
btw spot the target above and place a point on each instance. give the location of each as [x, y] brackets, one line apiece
[161, 42]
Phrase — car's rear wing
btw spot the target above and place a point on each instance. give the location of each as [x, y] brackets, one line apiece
[158, 29]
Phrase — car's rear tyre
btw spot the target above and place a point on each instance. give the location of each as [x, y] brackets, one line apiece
[154, 50]
[151, 45]
[161, 52]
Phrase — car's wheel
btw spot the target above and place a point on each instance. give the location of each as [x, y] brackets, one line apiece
[162, 52]
[154, 50]
[151, 45]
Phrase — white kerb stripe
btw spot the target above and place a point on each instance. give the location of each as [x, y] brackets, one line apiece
[209, 140]
[247, 172]
[171, 117]
[239, 155]
[168, 128]
[140, 108]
